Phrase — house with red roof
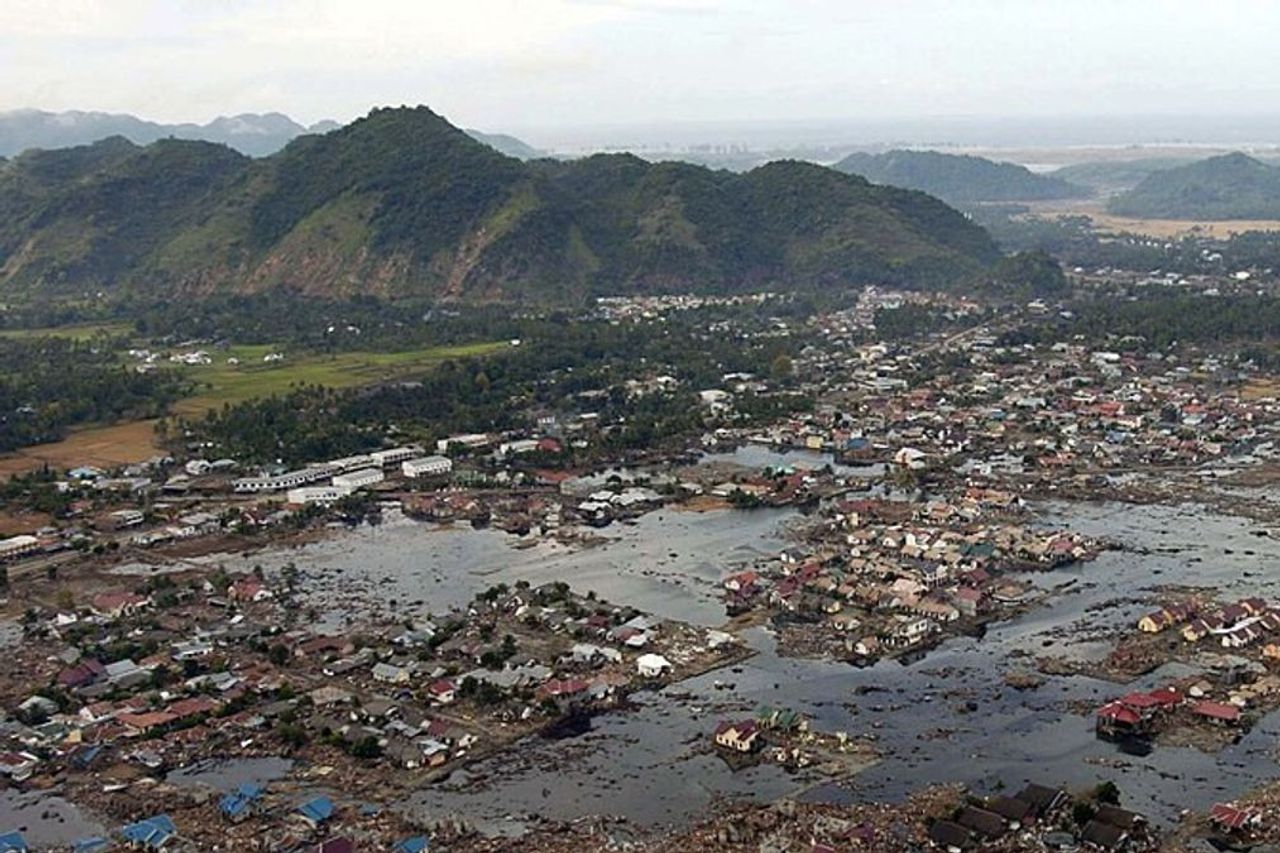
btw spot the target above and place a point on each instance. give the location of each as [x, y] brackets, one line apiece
[113, 605]
[1116, 719]
[83, 674]
[442, 691]
[1217, 712]
[741, 736]
[247, 589]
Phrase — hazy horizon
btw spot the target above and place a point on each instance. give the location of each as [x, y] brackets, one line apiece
[591, 68]
[942, 132]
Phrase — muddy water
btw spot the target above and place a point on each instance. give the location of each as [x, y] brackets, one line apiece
[641, 766]
[650, 764]
[668, 562]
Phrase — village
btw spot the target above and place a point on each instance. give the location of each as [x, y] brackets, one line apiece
[108, 695]
[914, 475]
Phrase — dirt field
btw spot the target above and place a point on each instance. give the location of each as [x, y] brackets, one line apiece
[1259, 389]
[1158, 228]
[26, 522]
[1167, 228]
[101, 446]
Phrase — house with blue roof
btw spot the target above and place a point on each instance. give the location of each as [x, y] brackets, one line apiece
[239, 804]
[414, 844]
[150, 834]
[317, 811]
[13, 841]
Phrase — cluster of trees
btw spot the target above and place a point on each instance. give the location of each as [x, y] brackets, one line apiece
[554, 366]
[1074, 242]
[49, 384]
[1162, 319]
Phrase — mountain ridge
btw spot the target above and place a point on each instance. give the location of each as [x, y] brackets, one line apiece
[1228, 186]
[958, 178]
[403, 203]
[254, 134]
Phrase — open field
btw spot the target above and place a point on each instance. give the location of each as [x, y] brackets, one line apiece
[1162, 229]
[81, 331]
[1170, 228]
[118, 444]
[1048, 158]
[222, 383]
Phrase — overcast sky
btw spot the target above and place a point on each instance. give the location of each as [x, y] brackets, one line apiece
[512, 64]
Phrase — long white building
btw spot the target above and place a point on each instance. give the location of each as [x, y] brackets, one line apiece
[18, 546]
[394, 456]
[280, 482]
[429, 466]
[316, 494]
[359, 479]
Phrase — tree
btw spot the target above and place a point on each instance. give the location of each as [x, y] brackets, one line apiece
[781, 366]
[1108, 793]
[366, 747]
[293, 734]
[1035, 273]
[1082, 812]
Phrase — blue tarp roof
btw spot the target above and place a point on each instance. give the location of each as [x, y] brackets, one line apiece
[318, 810]
[152, 832]
[12, 842]
[91, 845]
[416, 844]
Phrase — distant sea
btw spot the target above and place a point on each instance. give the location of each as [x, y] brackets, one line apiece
[936, 132]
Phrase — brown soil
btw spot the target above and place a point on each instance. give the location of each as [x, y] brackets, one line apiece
[120, 444]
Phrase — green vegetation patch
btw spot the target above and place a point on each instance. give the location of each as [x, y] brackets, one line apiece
[224, 382]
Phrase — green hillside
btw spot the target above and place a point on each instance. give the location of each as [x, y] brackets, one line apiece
[1231, 186]
[1111, 176]
[958, 179]
[401, 203]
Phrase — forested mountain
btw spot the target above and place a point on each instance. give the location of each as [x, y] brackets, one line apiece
[1232, 186]
[402, 203]
[1111, 176]
[958, 179]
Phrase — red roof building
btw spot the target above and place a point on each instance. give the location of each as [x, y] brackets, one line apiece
[1118, 712]
[1232, 817]
[1217, 711]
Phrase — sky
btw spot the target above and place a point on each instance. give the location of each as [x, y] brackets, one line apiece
[526, 64]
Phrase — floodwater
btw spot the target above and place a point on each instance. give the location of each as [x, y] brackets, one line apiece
[650, 763]
[668, 562]
[758, 456]
[228, 774]
[644, 764]
[45, 820]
